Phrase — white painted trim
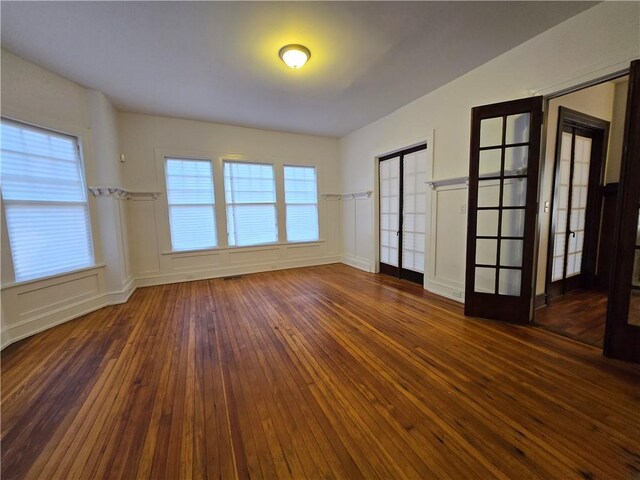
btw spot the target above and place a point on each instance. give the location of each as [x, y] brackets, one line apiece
[355, 262]
[57, 316]
[429, 139]
[433, 283]
[45, 321]
[10, 285]
[434, 184]
[589, 74]
[206, 274]
[247, 248]
[121, 193]
[454, 292]
[346, 196]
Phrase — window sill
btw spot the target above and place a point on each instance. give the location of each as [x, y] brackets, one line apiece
[245, 248]
[50, 277]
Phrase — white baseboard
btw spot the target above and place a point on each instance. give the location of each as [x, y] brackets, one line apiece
[31, 326]
[168, 278]
[36, 324]
[355, 262]
[49, 319]
[122, 296]
[448, 290]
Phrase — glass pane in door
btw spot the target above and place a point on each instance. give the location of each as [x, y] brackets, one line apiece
[501, 203]
[389, 210]
[414, 204]
[562, 207]
[579, 189]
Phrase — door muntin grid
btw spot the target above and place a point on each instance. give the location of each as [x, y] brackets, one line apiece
[571, 206]
[389, 210]
[414, 210]
[501, 204]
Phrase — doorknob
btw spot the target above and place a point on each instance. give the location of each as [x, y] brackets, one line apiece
[398, 233]
[573, 234]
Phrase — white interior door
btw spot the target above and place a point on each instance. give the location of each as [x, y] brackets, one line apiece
[389, 210]
[414, 205]
[579, 190]
[573, 188]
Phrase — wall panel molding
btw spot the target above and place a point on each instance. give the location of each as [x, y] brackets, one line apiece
[447, 216]
[33, 324]
[233, 270]
[122, 194]
[63, 310]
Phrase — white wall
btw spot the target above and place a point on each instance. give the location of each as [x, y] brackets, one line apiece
[146, 140]
[596, 101]
[599, 41]
[33, 95]
[111, 211]
[131, 237]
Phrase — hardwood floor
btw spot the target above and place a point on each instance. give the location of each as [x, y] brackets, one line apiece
[579, 314]
[321, 372]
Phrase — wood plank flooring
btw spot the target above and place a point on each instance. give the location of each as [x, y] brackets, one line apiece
[321, 372]
[579, 314]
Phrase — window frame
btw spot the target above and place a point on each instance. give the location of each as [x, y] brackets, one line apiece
[166, 158]
[285, 204]
[218, 158]
[80, 138]
[276, 205]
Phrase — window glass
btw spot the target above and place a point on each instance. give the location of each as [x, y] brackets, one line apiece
[45, 201]
[301, 200]
[192, 214]
[250, 195]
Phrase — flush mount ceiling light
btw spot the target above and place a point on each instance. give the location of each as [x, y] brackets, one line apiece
[295, 56]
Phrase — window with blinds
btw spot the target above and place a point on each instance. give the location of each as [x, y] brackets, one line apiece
[192, 213]
[45, 201]
[250, 195]
[301, 201]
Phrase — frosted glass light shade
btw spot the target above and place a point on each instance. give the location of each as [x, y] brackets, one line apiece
[295, 56]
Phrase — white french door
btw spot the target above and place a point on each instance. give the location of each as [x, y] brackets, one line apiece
[403, 202]
[414, 210]
[389, 211]
[581, 151]
[571, 211]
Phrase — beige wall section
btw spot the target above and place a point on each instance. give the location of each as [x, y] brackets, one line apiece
[146, 140]
[111, 211]
[601, 40]
[34, 95]
[616, 135]
[596, 101]
[38, 91]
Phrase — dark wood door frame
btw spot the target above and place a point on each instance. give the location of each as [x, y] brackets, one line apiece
[516, 308]
[577, 123]
[399, 271]
[621, 339]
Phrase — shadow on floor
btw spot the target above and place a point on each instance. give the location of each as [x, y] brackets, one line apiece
[579, 314]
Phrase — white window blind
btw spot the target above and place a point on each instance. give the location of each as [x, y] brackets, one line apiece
[45, 202]
[192, 214]
[301, 200]
[250, 195]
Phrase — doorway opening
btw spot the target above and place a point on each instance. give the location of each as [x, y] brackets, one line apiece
[584, 140]
[403, 204]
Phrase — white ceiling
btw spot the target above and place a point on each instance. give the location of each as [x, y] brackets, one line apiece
[218, 61]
